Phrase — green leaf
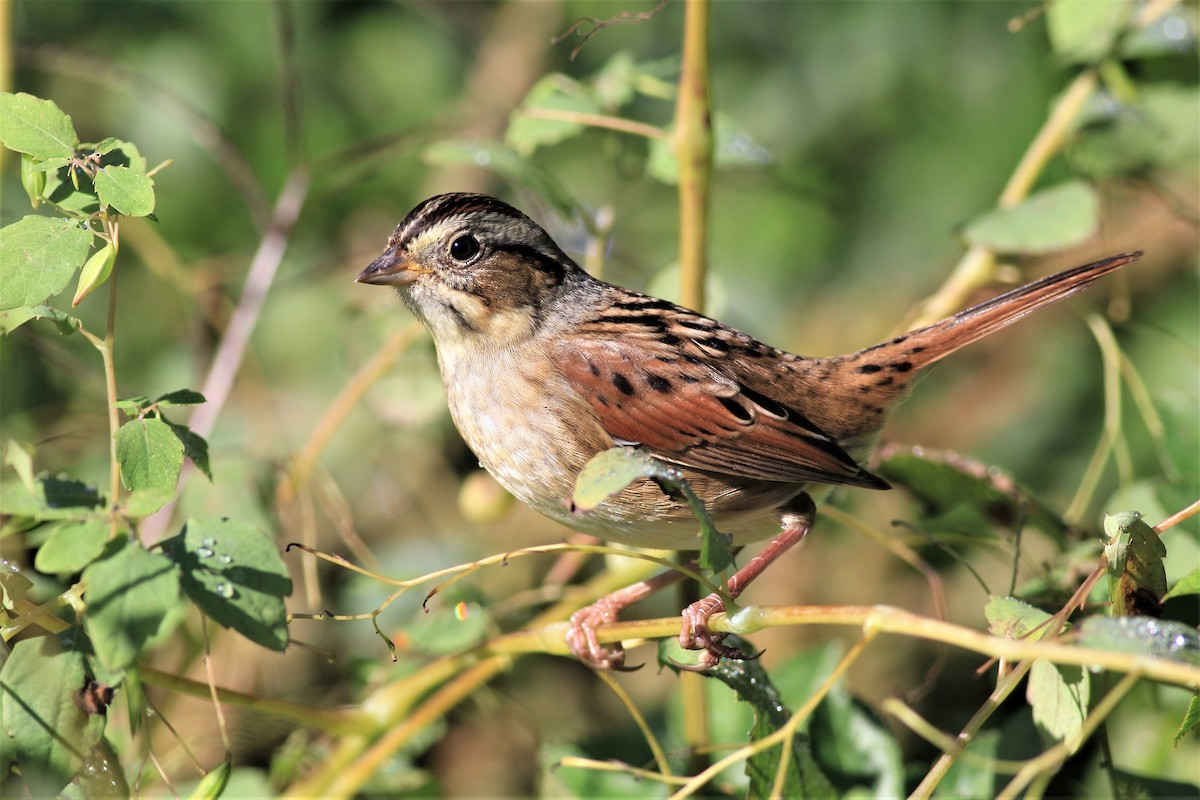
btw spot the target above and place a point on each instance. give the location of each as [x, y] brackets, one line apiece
[1015, 619]
[180, 397]
[571, 782]
[1143, 787]
[128, 190]
[102, 775]
[753, 685]
[38, 255]
[42, 730]
[13, 318]
[71, 546]
[149, 453]
[609, 473]
[51, 499]
[20, 457]
[554, 92]
[38, 127]
[973, 777]
[33, 179]
[960, 495]
[1191, 718]
[1059, 695]
[1084, 32]
[14, 586]
[134, 406]
[194, 446]
[1143, 636]
[70, 494]
[1155, 131]
[95, 272]
[213, 784]
[854, 748]
[1136, 576]
[129, 595]
[1172, 32]
[1188, 584]
[1048, 220]
[235, 574]
[70, 190]
[145, 502]
[450, 628]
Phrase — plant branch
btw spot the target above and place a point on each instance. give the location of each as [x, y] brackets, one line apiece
[598, 121]
[887, 619]
[334, 722]
[110, 389]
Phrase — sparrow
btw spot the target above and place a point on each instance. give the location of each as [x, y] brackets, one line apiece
[545, 366]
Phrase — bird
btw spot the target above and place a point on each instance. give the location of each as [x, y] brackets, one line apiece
[544, 366]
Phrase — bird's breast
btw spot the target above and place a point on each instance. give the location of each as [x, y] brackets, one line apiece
[534, 434]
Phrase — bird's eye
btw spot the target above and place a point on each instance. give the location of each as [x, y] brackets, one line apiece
[464, 248]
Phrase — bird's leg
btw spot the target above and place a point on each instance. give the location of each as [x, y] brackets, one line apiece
[581, 638]
[797, 520]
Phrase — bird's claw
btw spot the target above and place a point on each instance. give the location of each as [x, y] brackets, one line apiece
[695, 635]
[585, 646]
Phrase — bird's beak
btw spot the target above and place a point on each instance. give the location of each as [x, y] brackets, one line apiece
[391, 269]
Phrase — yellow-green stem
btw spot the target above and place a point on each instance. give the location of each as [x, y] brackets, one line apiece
[110, 386]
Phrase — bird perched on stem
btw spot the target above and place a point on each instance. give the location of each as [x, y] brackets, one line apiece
[545, 366]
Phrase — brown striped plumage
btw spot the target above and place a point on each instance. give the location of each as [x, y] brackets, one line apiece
[545, 366]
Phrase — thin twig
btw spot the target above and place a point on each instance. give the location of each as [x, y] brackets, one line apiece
[598, 121]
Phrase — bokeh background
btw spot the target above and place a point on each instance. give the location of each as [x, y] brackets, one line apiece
[866, 135]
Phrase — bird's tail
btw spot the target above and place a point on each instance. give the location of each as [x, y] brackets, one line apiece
[861, 387]
[924, 346]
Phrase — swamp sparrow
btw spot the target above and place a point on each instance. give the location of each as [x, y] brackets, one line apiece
[545, 366]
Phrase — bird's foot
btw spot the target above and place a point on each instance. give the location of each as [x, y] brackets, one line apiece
[582, 639]
[696, 635]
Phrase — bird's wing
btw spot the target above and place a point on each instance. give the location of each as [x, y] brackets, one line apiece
[689, 411]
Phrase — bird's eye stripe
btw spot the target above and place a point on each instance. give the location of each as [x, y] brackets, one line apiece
[538, 259]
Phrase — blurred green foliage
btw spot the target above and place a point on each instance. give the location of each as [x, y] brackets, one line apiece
[858, 142]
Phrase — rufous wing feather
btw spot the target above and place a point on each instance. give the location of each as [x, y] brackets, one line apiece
[690, 413]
